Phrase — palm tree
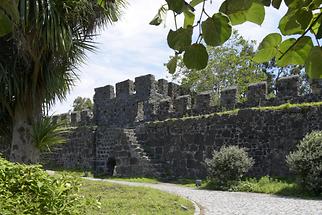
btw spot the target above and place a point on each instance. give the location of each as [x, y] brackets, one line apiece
[40, 49]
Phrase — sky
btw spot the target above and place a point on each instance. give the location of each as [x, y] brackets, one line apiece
[131, 47]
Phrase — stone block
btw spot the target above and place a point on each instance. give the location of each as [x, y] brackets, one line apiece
[55, 118]
[74, 118]
[203, 101]
[256, 92]
[316, 86]
[145, 86]
[173, 90]
[287, 86]
[85, 117]
[124, 88]
[165, 107]
[163, 87]
[228, 97]
[182, 104]
[106, 92]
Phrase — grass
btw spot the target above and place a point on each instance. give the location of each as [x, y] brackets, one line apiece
[235, 111]
[288, 105]
[265, 184]
[119, 199]
[80, 173]
[268, 185]
[135, 179]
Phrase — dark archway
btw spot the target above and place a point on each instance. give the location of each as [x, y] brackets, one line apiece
[110, 166]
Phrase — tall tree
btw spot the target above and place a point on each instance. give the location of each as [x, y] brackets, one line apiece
[81, 103]
[41, 43]
[229, 65]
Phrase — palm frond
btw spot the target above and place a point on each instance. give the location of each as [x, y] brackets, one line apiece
[39, 59]
[47, 133]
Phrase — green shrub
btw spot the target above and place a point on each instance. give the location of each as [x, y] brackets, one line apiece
[27, 189]
[228, 165]
[306, 162]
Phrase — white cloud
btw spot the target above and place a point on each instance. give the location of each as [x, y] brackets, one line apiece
[132, 47]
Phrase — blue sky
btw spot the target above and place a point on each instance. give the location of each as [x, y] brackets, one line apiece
[132, 47]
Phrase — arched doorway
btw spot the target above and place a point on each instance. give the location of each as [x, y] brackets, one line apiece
[110, 166]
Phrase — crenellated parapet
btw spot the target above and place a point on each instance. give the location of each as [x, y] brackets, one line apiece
[75, 118]
[133, 102]
[148, 99]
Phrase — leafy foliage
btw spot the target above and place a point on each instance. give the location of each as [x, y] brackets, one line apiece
[46, 133]
[229, 65]
[42, 43]
[228, 164]
[30, 190]
[303, 20]
[81, 103]
[306, 161]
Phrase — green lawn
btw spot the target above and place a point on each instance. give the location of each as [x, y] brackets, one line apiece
[281, 187]
[119, 199]
[268, 185]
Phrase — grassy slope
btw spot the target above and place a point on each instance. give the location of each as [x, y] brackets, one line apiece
[268, 185]
[118, 199]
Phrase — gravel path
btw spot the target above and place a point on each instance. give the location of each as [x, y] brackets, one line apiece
[222, 203]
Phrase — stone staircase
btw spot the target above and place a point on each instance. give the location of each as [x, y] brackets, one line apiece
[143, 163]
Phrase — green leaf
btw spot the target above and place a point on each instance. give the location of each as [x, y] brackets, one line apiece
[297, 54]
[10, 8]
[265, 55]
[172, 64]
[9, 16]
[196, 57]
[271, 41]
[268, 48]
[240, 11]
[159, 17]
[5, 24]
[319, 31]
[180, 39]
[315, 28]
[101, 3]
[216, 30]
[156, 20]
[176, 5]
[266, 2]
[297, 4]
[276, 3]
[288, 25]
[315, 4]
[256, 13]
[236, 9]
[194, 3]
[313, 63]
[304, 17]
[189, 18]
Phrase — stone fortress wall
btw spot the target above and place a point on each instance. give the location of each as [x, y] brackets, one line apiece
[156, 128]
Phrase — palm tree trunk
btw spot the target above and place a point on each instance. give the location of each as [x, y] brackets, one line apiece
[22, 148]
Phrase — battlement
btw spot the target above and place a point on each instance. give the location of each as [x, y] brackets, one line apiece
[75, 118]
[148, 99]
[117, 130]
